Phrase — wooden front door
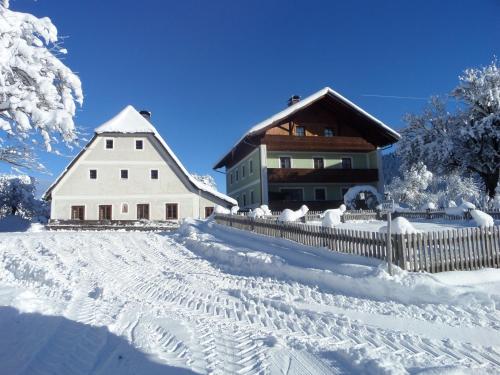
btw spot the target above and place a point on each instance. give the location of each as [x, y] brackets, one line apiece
[143, 211]
[77, 212]
[105, 212]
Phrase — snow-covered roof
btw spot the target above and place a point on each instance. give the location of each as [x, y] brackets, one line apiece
[271, 121]
[127, 121]
[130, 121]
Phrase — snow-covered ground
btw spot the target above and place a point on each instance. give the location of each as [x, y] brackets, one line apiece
[211, 299]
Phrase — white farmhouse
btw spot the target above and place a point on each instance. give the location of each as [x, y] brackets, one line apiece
[128, 172]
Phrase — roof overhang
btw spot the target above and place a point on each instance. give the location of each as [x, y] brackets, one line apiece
[289, 112]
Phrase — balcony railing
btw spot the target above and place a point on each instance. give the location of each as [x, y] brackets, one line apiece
[332, 175]
[318, 143]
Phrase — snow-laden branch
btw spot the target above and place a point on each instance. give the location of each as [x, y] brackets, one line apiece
[38, 93]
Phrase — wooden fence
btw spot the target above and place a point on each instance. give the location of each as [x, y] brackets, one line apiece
[376, 215]
[458, 249]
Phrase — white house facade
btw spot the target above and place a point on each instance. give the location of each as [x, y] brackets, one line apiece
[128, 172]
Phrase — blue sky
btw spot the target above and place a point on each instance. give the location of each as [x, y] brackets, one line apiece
[209, 70]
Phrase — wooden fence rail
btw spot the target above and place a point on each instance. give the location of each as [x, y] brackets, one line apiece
[457, 249]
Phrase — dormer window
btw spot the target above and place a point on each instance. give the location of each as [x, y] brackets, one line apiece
[109, 144]
[300, 131]
[139, 144]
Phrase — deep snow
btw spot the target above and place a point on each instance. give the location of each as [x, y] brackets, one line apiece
[213, 299]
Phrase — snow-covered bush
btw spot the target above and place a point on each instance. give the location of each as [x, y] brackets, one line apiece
[221, 210]
[428, 206]
[38, 93]
[17, 197]
[288, 215]
[482, 219]
[256, 213]
[400, 225]
[332, 217]
[419, 187]
[362, 197]
[234, 210]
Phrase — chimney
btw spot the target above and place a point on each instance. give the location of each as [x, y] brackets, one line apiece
[146, 114]
[293, 99]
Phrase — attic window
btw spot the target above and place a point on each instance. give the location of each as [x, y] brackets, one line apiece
[300, 131]
[328, 132]
[124, 174]
[93, 174]
[139, 145]
[109, 144]
[154, 174]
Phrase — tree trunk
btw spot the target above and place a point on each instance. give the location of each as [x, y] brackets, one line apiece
[490, 182]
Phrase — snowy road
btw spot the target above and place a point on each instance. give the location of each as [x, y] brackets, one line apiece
[212, 300]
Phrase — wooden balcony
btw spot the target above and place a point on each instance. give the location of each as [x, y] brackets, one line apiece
[332, 175]
[316, 143]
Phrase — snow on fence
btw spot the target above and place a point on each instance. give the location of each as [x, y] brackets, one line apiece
[457, 249]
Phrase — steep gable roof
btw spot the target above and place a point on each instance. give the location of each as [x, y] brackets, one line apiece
[129, 121]
[291, 110]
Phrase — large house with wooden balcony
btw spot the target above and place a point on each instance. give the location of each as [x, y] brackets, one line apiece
[310, 153]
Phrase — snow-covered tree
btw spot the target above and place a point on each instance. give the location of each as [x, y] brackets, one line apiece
[391, 164]
[467, 141]
[411, 188]
[38, 93]
[17, 197]
[205, 179]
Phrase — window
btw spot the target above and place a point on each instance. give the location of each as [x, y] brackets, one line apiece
[105, 212]
[252, 198]
[319, 163]
[328, 132]
[237, 175]
[208, 211]
[300, 131]
[244, 200]
[242, 171]
[77, 212]
[93, 174]
[346, 163]
[154, 174]
[320, 194]
[109, 144]
[231, 178]
[290, 194]
[124, 208]
[143, 211]
[250, 165]
[171, 211]
[124, 174]
[344, 191]
[285, 162]
[139, 145]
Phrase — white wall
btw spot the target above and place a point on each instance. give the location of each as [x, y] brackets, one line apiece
[76, 187]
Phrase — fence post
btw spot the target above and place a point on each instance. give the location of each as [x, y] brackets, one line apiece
[389, 244]
[252, 224]
[429, 214]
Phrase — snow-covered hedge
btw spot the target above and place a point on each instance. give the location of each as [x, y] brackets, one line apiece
[362, 197]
